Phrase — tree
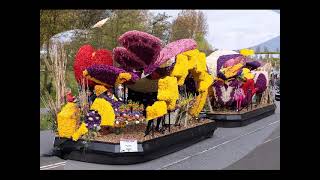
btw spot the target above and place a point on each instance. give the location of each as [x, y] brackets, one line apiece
[53, 22]
[160, 26]
[120, 21]
[87, 18]
[191, 24]
[203, 45]
[188, 24]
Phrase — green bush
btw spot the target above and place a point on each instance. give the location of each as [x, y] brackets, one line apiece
[46, 122]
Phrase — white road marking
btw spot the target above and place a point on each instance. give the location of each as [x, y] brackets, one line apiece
[271, 139]
[53, 165]
[214, 147]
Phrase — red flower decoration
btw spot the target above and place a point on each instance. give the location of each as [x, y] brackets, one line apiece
[249, 84]
[88, 56]
[70, 98]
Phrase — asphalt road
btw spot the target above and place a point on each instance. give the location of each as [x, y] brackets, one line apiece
[255, 146]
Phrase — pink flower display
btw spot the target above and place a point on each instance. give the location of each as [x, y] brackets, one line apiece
[234, 61]
[171, 50]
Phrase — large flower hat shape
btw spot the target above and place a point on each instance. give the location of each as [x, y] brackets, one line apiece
[139, 50]
[88, 56]
[143, 52]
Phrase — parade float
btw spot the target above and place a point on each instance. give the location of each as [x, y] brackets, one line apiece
[136, 103]
[240, 93]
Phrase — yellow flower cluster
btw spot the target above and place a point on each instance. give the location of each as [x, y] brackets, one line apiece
[203, 80]
[122, 77]
[158, 109]
[168, 91]
[105, 110]
[201, 65]
[180, 70]
[231, 70]
[247, 52]
[191, 53]
[197, 66]
[67, 120]
[199, 103]
[204, 84]
[193, 57]
[246, 74]
[99, 89]
[81, 131]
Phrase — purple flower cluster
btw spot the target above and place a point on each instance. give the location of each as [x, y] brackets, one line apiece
[171, 50]
[92, 119]
[261, 83]
[247, 99]
[190, 85]
[224, 58]
[234, 84]
[239, 73]
[253, 64]
[105, 73]
[127, 59]
[217, 86]
[145, 46]
[134, 76]
[221, 75]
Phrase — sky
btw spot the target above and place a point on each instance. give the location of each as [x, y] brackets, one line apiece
[230, 29]
[237, 29]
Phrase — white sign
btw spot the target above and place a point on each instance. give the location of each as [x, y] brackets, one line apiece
[128, 145]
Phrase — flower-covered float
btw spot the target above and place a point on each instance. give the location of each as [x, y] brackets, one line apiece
[240, 92]
[143, 93]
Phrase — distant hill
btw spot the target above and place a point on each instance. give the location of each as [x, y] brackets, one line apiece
[272, 45]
